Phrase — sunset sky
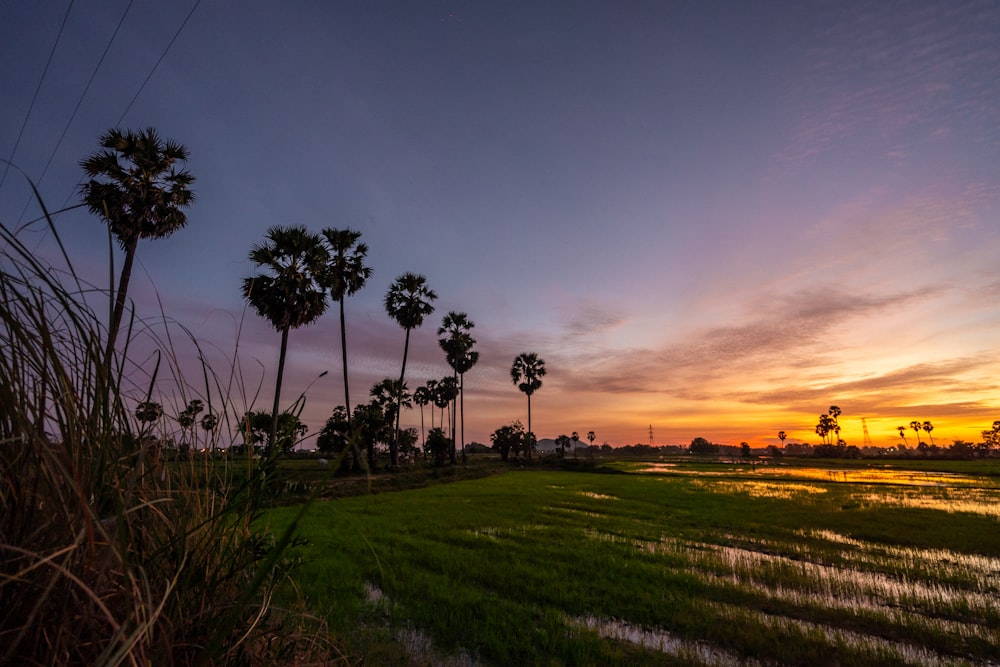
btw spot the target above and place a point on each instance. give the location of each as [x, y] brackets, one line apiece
[713, 218]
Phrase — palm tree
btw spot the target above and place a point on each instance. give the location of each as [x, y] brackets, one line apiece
[391, 396]
[591, 436]
[408, 301]
[137, 190]
[433, 391]
[562, 442]
[445, 392]
[345, 274]
[834, 412]
[927, 426]
[916, 426]
[826, 428]
[457, 345]
[422, 396]
[902, 433]
[781, 436]
[526, 373]
[576, 440]
[289, 293]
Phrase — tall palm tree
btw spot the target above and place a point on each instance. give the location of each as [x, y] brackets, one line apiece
[289, 292]
[526, 373]
[457, 344]
[928, 427]
[136, 188]
[422, 396]
[591, 436]
[781, 436]
[408, 301]
[834, 413]
[445, 392]
[575, 437]
[345, 274]
[902, 433]
[433, 391]
[916, 426]
[391, 396]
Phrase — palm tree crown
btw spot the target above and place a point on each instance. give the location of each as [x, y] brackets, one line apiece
[409, 300]
[135, 187]
[289, 293]
[346, 272]
[527, 372]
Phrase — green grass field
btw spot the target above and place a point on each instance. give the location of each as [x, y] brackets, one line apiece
[682, 564]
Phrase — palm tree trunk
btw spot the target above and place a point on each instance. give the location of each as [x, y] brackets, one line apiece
[121, 296]
[461, 398]
[355, 454]
[394, 441]
[423, 437]
[530, 435]
[453, 409]
[343, 350]
[273, 436]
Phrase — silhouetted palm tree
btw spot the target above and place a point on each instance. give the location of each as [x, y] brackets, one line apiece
[826, 428]
[834, 413]
[591, 436]
[575, 437]
[289, 293]
[916, 426]
[781, 437]
[408, 301]
[902, 433]
[445, 392]
[345, 274]
[928, 427]
[526, 373]
[457, 345]
[432, 390]
[137, 190]
[391, 396]
[422, 396]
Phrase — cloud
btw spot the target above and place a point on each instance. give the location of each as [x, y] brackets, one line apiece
[784, 331]
[879, 73]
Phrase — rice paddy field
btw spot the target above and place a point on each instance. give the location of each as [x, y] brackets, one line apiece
[663, 564]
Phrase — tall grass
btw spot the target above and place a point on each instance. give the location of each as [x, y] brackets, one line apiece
[109, 553]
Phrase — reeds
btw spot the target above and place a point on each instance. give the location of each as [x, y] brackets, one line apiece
[110, 552]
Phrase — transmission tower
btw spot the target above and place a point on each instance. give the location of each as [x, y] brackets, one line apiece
[868, 438]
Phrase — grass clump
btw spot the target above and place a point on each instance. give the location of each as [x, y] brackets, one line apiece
[110, 554]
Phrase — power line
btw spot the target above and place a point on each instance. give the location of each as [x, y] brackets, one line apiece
[76, 109]
[158, 61]
[149, 76]
[38, 89]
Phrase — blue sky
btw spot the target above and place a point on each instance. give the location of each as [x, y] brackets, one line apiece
[717, 219]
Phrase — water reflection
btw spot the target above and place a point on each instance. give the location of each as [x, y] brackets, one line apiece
[846, 476]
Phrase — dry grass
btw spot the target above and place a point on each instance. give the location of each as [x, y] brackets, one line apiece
[109, 553]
